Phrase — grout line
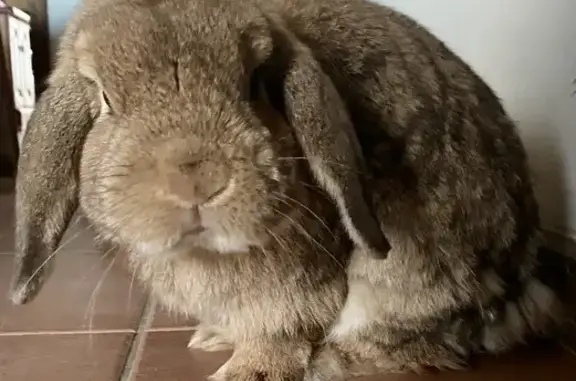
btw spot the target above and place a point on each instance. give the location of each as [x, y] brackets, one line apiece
[173, 329]
[55, 333]
[139, 342]
[69, 251]
[96, 331]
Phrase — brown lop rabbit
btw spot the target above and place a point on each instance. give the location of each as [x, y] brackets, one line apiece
[322, 183]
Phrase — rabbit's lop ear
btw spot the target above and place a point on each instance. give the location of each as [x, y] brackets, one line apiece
[48, 175]
[323, 128]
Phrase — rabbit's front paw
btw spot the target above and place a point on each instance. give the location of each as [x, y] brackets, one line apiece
[209, 339]
[248, 374]
[266, 362]
[327, 365]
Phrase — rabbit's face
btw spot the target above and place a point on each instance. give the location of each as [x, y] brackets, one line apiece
[217, 176]
[182, 153]
[198, 132]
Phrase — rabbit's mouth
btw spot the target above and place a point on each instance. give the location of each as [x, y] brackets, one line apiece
[212, 241]
[192, 242]
[194, 232]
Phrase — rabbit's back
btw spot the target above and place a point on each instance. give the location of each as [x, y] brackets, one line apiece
[451, 186]
[436, 137]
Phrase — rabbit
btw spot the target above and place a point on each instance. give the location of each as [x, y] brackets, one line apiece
[468, 272]
[237, 202]
[412, 238]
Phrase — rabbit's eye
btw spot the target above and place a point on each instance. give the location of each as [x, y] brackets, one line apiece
[255, 88]
[105, 107]
[265, 88]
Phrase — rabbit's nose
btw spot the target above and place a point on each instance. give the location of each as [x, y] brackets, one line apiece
[199, 183]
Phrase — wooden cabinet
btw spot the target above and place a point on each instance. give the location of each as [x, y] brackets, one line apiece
[21, 60]
[17, 84]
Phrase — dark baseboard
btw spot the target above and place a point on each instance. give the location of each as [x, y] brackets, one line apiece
[6, 186]
[560, 243]
[7, 167]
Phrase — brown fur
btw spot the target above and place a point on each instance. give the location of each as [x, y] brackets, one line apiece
[151, 112]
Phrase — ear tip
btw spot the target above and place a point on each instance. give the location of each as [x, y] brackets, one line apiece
[380, 254]
[20, 295]
[381, 249]
[24, 291]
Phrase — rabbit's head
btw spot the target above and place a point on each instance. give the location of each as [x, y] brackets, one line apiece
[194, 121]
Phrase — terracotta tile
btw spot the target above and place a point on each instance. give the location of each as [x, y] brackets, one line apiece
[78, 237]
[167, 320]
[98, 357]
[87, 291]
[166, 357]
[6, 185]
[6, 219]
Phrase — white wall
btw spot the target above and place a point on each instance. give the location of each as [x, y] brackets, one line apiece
[526, 50]
[59, 11]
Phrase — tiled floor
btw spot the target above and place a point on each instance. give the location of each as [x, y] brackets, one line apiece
[92, 323]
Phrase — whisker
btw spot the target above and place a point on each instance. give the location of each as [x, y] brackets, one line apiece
[111, 176]
[270, 258]
[276, 238]
[45, 262]
[132, 278]
[285, 198]
[296, 158]
[103, 257]
[310, 237]
[129, 166]
[282, 243]
[292, 158]
[314, 187]
[90, 309]
[118, 202]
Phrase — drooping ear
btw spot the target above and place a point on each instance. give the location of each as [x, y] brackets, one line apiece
[48, 178]
[325, 132]
[86, 66]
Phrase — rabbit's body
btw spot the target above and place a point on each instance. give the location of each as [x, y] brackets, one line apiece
[454, 198]
[266, 223]
[285, 286]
